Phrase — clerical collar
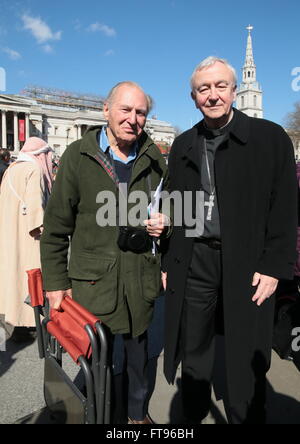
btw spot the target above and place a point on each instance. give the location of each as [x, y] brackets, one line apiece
[210, 133]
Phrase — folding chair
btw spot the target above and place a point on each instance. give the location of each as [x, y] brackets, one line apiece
[80, 334]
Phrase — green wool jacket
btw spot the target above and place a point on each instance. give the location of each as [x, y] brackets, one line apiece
[119, 287]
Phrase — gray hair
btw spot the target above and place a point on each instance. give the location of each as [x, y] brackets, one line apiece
[209, 61]
[113, 91]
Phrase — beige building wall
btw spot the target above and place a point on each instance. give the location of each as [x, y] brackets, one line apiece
[58, 125]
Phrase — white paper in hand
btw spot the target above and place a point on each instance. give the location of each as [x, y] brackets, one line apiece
[153, 207]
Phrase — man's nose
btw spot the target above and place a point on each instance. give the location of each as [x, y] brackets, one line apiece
[213, 94]
[132, 117]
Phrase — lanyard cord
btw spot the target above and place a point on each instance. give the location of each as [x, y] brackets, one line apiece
[24, 206]
[149, 183]
[212, 189]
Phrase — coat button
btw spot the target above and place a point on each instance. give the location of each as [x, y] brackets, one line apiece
[172, 291]
[177, 260]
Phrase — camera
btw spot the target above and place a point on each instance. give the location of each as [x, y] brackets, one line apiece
[134, 239]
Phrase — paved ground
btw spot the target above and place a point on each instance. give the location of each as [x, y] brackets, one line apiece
[283, 397]
[21, 390]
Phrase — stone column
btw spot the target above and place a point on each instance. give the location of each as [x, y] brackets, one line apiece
[16, 132]
[39, 127]
[78, 132]
[4, 129]
[27, 127]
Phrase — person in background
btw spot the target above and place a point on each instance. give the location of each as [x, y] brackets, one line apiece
[24, 193]
[297, 265]
[4, 161]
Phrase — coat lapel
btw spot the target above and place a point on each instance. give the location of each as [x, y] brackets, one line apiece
[194, 149]
[142, 164]
[192, 157]
[143, 161]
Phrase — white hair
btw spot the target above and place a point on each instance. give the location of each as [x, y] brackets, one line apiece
[209, 61]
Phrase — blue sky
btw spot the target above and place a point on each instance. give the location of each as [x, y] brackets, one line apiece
[88, 46]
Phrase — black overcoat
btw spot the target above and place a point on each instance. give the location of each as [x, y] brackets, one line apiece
[256, 188]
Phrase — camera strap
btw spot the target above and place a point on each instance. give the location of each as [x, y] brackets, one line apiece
[119, 185]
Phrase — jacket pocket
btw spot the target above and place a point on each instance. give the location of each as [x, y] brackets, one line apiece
[151, 277]
[95, 282]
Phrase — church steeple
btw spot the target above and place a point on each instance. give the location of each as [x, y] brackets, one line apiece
[249, 69]
[249, 93]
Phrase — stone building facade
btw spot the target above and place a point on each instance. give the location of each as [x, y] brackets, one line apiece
[58, 123]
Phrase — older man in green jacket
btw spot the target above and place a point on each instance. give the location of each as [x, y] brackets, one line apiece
[117, 277]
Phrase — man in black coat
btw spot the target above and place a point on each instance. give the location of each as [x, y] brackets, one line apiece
[225, 275]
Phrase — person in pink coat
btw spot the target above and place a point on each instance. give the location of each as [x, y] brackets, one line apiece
[25, 189]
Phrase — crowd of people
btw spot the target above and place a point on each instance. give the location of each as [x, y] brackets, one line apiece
[239, 170]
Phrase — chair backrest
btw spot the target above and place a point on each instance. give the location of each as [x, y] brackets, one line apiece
[82, 335]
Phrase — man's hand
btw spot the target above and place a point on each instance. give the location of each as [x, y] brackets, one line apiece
[266, 286]
[56, 297]
[157, 224]
[164, 276]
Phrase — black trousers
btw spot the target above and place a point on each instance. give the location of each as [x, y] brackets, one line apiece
[202, 319]
[130, 389]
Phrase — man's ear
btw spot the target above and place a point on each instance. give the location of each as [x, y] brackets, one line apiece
[234, 93]
[106, 110]
[193, 96]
